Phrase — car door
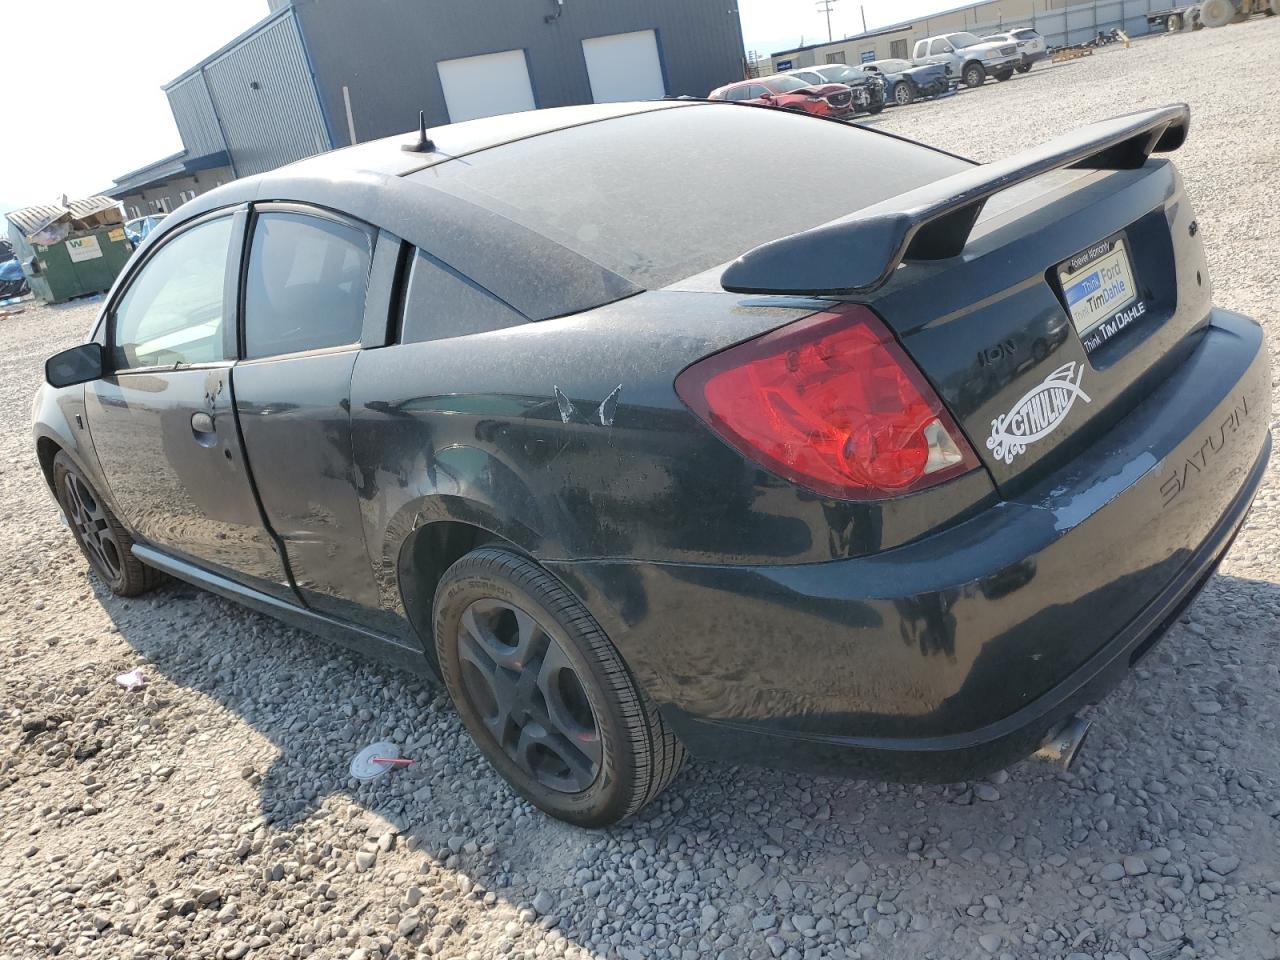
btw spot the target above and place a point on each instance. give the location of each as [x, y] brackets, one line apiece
[307, 290]
[941, 51]
[162, 419]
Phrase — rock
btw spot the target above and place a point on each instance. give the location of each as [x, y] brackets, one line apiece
[990, 942]
[749, 876]
[1135, 866]
[407, 925]
[1206, 707]
[365, 859]
[1112, 871]
[1135, 928]
[543, 902]
[985, 791]
[1224, 865]
[237, 950]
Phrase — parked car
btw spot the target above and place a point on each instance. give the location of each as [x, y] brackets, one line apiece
[1032, 47]
[791, 93]
[139, 228]
[614, 436]
[868, 91]
[970, 59]
[905, 83]
[13, 282]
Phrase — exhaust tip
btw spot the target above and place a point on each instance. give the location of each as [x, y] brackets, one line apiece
[1063, 745]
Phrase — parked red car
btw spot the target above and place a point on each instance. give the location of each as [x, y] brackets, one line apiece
[790, 93]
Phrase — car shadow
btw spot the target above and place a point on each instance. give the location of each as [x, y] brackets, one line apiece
[318, 704]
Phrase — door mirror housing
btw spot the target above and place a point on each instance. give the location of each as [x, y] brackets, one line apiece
[80, 364]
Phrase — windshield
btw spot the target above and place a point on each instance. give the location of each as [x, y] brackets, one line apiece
[838, 72]
[784, 84]
[962, 40]
[657, 197]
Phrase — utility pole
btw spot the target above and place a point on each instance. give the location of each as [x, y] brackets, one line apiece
[824, 6]
[864, 18]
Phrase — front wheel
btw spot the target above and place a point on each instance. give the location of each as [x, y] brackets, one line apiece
[974, 74]
[545, 695]
[103, 540]
[1217, 13]
[1174, 23]
[876, 106]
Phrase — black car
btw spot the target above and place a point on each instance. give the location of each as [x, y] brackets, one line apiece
[885, 469]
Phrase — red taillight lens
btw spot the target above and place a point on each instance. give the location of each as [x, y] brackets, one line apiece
[833, 404]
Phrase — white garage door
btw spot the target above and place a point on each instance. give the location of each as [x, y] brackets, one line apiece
[487, 85]
[624, 66]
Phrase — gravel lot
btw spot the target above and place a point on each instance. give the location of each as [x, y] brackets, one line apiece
[211, 815]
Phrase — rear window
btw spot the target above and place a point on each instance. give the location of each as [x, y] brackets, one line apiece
[658, 197]
[1025, 34]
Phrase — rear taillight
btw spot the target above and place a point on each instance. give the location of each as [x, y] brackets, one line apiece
[831, 403]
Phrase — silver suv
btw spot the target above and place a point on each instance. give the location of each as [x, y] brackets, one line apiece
[970, 59]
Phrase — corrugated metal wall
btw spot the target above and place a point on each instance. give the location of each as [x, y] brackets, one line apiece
[266, 101]
[385, 51]
[193, 112]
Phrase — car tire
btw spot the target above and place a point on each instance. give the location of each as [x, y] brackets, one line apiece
[973, 75]
[1026, 67]
[103, 540]
[1174, 23]
[904, 93]
[544, 693]
[1004, 75]
[875, 107]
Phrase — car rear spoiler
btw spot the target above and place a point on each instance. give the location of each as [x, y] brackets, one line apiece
[859, 253]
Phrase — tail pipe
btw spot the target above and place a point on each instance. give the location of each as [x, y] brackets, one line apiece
[1063, 745]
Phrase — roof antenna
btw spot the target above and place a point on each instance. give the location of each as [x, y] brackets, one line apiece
[424, 144]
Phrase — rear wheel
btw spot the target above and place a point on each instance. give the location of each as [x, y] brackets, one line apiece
[1004, 75]
[544, 693]
[973, 74]
[1174, 23]
[904, 93]
[1217, 13]
[1026, 67]
[105, 543]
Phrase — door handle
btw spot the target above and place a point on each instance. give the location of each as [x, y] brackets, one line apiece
[201, 423]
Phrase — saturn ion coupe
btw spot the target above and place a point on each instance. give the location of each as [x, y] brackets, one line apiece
[889, 478]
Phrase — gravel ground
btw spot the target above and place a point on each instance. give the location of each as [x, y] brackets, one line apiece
[211, 815]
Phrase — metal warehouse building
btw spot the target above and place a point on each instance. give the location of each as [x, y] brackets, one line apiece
[1061, 22]
[319, 74]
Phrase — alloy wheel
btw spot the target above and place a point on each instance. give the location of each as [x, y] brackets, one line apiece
[88, 518]
[902, 94]
[532, 701]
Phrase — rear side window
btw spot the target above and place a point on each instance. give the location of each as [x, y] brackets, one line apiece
[441, 303]
[657, 197]
[172, 312]
[306, 284]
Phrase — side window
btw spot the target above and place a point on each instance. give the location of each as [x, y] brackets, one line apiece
[756, 91]
[735, 93]
[942, 46]
[441, 303]
[306, 284]
[172, 311]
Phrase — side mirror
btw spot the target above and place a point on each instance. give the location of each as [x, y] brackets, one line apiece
[80, 364]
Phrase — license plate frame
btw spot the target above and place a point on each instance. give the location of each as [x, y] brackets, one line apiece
[1098, 283]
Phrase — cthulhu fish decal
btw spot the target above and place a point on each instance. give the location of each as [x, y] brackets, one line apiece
[1041, 410]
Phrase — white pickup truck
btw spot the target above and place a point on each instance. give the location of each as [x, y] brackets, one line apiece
[970, 58]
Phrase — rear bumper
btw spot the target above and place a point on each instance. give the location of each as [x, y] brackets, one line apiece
[1029, 58]
[956, 653]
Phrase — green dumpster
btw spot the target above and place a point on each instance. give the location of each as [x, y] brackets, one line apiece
[70, 249]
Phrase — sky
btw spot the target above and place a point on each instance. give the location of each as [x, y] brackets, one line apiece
[74, 129]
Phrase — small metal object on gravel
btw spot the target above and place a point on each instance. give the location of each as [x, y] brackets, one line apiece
[375, 760]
